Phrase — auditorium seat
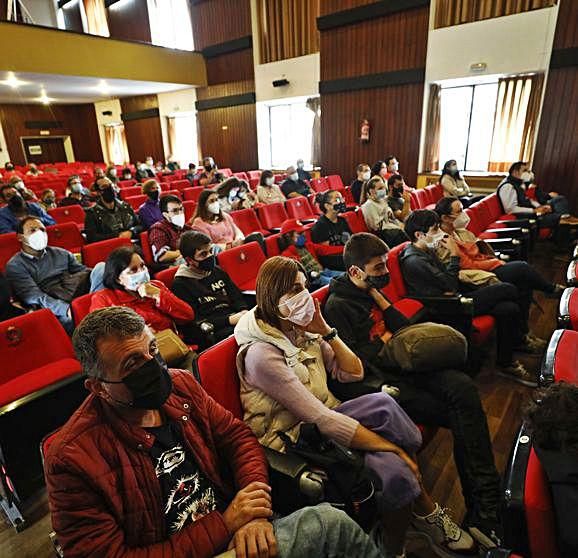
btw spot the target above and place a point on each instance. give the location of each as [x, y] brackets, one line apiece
[136, 201]
[227, 172]
[568, 309]
[572, 274]
[272, 245]
[147, 251]
[189, 206]
[99, 251]
[193, 193]
[80, 307]
[482, 326]
[560, 362]
[272, 216]
[529, 516]
[69, 214]
[129, 192]
[246, 220]
[299, 208]
[166, 276]
[176, 193]
[254, 174]
[242, 263]
[433, 193]
[9, 245]
[334, 182]
[126, 183]
[319, 184]
[241, 176]
[65, 236]
[313, 204]
[180, 185]
[355, 221]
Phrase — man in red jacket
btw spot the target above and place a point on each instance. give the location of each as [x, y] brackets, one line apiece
[151, 466]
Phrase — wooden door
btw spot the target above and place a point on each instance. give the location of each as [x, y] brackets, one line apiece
[44, 150]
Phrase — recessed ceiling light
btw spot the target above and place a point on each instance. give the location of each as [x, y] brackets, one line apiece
[103, 87]
[13, 81]
[44, 98]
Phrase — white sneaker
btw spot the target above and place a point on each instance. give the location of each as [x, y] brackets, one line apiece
[445, 537]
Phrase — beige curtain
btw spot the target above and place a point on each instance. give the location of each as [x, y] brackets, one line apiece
[517, 108]
[172, 134]
[116, 146]
[314, 104]
[433, 123]
[96, 17]
[287, 28]
[454, 12]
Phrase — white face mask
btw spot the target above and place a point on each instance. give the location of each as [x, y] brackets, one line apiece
[269, 181]
[527, 176]
[395, 167]
[462, 220]
[435, 240]
[294, 177]
[366, 176]
[453, 168]
[214, 208]
[301, 308]
[178, 220]
[38, 240]
[135, 280]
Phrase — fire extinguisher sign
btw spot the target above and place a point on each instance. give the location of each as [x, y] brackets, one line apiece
[364, 131]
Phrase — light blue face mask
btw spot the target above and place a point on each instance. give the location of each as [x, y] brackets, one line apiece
[381, 194]
[135, 280]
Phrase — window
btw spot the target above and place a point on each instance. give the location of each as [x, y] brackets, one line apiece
[290, 130]
[467, 122]
[170, 22]
[182, 131]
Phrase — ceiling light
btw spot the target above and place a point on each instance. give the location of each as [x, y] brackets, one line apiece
[44, 98]
[103, 87]
[13, 81]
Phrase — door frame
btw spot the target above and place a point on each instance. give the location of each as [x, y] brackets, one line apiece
[66, 141]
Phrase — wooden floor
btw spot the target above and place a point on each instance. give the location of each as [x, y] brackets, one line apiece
[502, 401]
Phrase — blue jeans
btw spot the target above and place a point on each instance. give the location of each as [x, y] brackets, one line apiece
[325, 277]
[96, 277]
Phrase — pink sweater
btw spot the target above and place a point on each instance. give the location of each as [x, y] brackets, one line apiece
[220, 232]
[267, 370]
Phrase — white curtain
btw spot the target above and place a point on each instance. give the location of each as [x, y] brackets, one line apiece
[170, 22]
[116, 144]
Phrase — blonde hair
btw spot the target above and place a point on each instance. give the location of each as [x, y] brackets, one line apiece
[370, 185]
[148, 186]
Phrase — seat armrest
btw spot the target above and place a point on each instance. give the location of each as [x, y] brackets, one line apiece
[524, 223]
[564, 309]
[454, 304]
[547, 375]
[512, 232]
[501, 243]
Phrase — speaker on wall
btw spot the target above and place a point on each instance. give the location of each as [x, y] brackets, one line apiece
[280, 82]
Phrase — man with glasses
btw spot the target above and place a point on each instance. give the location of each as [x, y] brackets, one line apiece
[164, 236]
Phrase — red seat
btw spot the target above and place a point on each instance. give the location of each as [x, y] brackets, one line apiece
[189, 206]
[69, 214]
[253, 183]
[80, 307]
[355, 221]
[319, 184]
[313, 205]
[180, 185]
[9, 245]
[246, 220]
[226, 172]
[126, 183]
[129, 192]
[136, 201]
[145, 245]
[193, 193]
[242, 263]
[334, 182]
[176, 193]
[272, 245]
[65, 236]
[560, 363]
[568, 309]
[217, 368]
[299, 208]
[278, 178]
[99, 251]
[421, 197]
[254, 174]
[321, 294]
[272, 216]
[241, 176]
[482, 326]
[166, 276]
[25, 368]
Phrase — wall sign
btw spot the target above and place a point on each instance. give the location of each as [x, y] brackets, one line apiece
[35, 149]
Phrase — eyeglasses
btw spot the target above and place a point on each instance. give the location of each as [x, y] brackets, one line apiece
[176, 211]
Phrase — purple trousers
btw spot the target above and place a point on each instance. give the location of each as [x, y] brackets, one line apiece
[381, 414]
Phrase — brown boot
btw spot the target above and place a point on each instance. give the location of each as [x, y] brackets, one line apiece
[569, 220]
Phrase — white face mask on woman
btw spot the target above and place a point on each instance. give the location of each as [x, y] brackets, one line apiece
[434, 240]
[462, 220]
[301, 308]
[269, 181]
[214, 208]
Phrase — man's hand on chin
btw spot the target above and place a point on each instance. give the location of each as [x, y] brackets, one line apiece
[255, 539]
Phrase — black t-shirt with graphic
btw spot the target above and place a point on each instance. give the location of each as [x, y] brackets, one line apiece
[325, 230]
[187, 493]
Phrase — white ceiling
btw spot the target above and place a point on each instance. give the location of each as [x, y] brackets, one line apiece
[74, 89]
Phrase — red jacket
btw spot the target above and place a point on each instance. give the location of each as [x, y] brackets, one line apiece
[170, 308]
[104, 496]
[291, 251]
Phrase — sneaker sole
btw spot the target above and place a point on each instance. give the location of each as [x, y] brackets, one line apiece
[481, 538]
[527, 383]
[436, 548]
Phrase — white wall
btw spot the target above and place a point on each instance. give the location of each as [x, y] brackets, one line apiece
[43, 12]
[112, 105]
[173, 103]
[508, 45]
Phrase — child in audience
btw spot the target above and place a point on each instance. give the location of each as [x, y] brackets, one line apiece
[235, 194]
[378, 216]
[286, 353]
[267, 190]
[294, 244]
[553, 419]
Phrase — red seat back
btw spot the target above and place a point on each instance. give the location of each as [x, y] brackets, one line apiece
[241, 176]
[272, 216]
[474, 225]
[566, 357]
[217, 369]
[68, 214]
[136, 201]
[166, 276]
[126, 183]
[9, 245]
[319, 184]
[396, 277]
[189, 206]
[180, 185]
[129, 192]
[355, 221]
[31, 341]
[226, 172]
[65, 236]
[493, 204]
[242, 263]
[254, 174]
[176, 193]
[99, 251]
[272, 245]
[299, 208]
[145, 245]
[321, 294]
[80, 307]
[422, 198]
[193, 193]
[334, 182]
[246, 220]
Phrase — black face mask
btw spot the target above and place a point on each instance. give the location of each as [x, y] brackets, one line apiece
[154, 195]
[150, 385]
[208, 264]
[515, 180]
[107, 195]
[208, 168]
[340, 207]
[16, 203]
[378, 281]
[397, 192]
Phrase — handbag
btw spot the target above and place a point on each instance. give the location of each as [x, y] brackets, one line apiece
[171, 347]
[348, 485]
[477, 277]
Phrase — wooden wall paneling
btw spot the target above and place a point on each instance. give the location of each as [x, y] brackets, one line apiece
[331, 6]
[139, 102]
[235, 146]
[129, 21]
[225, 89]
[384, 44]
[78, 122]
[219, 21]
[144, 136]
[567, 25]
[234, 66]
[394, 114]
